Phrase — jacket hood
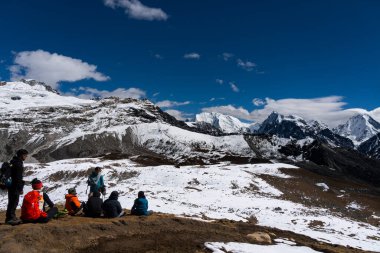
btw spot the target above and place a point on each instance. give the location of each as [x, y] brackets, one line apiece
[114, 195]
[96, 194]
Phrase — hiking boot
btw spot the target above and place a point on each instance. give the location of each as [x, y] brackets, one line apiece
[14, 222]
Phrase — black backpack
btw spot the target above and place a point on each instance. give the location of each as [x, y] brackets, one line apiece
[5, 175]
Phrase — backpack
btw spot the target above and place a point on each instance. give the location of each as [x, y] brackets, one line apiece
[5, 176]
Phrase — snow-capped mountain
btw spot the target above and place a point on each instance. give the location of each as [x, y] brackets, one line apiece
[371, 147]
[290, 126]
[359, 128]
[295, 127]
[225, 123]
[55, 127]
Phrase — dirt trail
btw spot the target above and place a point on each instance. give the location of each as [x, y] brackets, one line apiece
[157, 233]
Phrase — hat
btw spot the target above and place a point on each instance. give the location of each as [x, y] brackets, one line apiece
[36, 184]
[72, 191]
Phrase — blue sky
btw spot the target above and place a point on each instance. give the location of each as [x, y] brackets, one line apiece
[317, 53]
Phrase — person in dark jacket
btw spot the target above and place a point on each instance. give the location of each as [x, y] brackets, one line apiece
[93, 207]
[17, 187]
[140, 206]
[111, 207]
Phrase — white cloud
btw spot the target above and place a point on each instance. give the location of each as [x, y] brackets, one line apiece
[215, 99]
[120, 92]
[234, 87]
[227, 56]
[328, 110]
[193, 56]
[156, 94]
[258, 102]
[177, 114]
[158, 56]
[240, 112]
[136, 10]
[219, 81]
[52, 68]
[168, 103]
[246, 65]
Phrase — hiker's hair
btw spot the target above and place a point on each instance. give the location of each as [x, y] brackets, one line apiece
[98, 169]
[141, 194]
[21, 152]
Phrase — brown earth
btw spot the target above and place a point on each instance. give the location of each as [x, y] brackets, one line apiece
[301, 188]
[157, 233]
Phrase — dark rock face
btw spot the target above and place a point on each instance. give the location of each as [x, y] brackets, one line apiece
[297, 128]
[371, 147]
[342, 162]
[34, 82]
[329, 137]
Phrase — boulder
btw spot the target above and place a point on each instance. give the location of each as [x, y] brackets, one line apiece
[259, 238]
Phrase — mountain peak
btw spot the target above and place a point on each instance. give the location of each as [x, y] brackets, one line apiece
[359, 128]
[226, 123]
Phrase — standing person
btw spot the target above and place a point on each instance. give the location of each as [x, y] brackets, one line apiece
[140, 206]
[73, 206]
[17, 187]
[111, 207]
[93, 207]
[96, 182]
[32, 209]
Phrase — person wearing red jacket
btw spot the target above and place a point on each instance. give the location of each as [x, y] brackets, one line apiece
[32, 210]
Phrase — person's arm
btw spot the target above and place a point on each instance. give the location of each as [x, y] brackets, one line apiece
[48, 201]
[19, 170]
[118, 207]
[101, 181]
[134, 206]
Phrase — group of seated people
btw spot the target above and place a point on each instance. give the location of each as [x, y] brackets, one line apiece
[35, 203]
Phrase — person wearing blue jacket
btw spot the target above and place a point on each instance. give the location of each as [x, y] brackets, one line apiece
[140, 206]
[96, 182]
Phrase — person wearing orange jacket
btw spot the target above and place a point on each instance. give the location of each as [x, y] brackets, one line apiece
[73, 206]
[32, 210]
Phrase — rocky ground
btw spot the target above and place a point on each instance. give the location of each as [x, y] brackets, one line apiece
[157, 233]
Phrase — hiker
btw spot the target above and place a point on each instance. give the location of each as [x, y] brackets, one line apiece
[93, 207]
[111, 207]
[140, 206]
[32, 210]
[96, 182]
[17, 186]
[73, 206]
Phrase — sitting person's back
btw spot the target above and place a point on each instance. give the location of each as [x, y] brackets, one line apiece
[140, 206]
[93, 207]
[111, 207]
[32, 209]
[73, 206]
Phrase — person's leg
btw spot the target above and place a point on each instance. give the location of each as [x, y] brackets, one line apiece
[50, 214]
[121, 214]
[13, 199]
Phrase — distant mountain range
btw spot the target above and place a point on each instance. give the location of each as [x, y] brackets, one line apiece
[55, 127]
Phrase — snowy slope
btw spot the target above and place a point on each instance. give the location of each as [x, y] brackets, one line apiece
[359, 128]
[225, 123]
[54, 127]
[21, 95]
[233, 192]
